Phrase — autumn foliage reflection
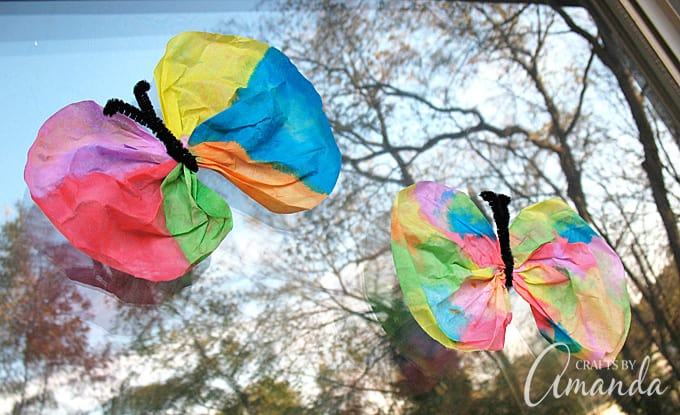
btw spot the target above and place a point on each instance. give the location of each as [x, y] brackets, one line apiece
[43, 326]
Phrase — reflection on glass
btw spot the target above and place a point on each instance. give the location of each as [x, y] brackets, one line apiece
[77, 266]
[306, 317]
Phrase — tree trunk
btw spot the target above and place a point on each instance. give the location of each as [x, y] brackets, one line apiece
[652, 163]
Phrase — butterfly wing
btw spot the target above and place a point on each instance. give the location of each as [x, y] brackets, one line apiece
[114, 193]
[572, 279]
[252, 117]
[447, 259]
[67, 262]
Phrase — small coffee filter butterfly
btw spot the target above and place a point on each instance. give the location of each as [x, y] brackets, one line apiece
[455, 272]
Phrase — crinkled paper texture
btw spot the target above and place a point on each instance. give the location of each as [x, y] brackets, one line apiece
[251, 116]
[111, 189]
[446, 255]
[449, 267]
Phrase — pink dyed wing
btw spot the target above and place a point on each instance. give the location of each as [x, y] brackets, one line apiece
[112, 190]
[448, 260]
[572, 279]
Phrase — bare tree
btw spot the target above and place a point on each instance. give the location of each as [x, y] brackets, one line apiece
[399, 82]
[525, 99]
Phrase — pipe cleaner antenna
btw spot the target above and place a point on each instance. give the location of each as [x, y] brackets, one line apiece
[499, 206]
[146, 115]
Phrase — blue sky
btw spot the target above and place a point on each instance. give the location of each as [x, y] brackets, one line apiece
[57, 53]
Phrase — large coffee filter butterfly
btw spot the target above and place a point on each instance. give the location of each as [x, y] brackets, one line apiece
[132, 199]
[455, 272]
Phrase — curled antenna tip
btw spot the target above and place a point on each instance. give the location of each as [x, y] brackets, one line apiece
[141, 87]
[487, 195]
[492, 197]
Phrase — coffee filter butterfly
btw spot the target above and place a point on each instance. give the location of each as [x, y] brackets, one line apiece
[455, 272]
[132, 200]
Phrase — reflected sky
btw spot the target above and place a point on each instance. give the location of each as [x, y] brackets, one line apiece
[58, 53]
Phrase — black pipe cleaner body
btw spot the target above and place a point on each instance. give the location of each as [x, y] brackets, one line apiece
[146, 115]
[499, 206]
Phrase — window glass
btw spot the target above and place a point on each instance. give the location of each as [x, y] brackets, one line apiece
[303, 313]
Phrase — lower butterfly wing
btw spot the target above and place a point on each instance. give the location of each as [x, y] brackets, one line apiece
[67, 262]
[447, 260]
[252, 117]
[110, 188]
[572, 279]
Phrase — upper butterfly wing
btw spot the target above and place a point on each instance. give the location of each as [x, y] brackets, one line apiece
[114, 193]
[251, 116]
[572, 279]
[447, 260]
